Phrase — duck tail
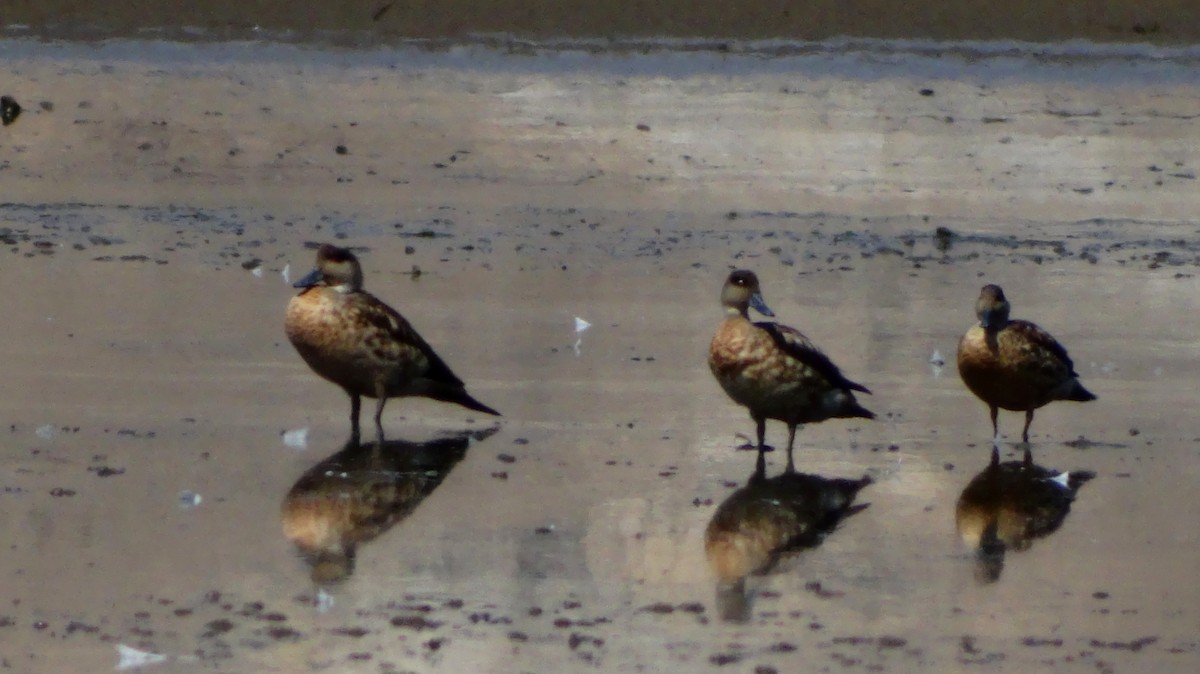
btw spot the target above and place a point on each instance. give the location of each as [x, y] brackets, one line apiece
[853, 410]
[1078, 393]
[457, 395]
[471, 403]
[855, 386]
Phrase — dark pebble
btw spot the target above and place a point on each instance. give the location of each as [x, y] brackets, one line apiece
[9, 109]
[414, 622]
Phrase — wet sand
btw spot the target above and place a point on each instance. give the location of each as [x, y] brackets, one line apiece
[156, 199]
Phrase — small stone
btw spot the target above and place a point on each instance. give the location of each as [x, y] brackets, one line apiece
[9, 110]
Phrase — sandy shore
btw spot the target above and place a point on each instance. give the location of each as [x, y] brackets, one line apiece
[156, 198]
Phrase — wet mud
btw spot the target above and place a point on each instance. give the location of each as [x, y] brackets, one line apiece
[559, 230]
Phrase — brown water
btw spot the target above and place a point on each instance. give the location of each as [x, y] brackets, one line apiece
[155, 201]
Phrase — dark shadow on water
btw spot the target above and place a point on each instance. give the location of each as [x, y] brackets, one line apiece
[1008, 505]
[358, 493]
[766, 519]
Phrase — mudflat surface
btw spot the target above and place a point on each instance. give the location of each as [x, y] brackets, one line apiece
[157, 198]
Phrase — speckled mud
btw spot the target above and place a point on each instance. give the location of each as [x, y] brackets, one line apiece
[154, 419]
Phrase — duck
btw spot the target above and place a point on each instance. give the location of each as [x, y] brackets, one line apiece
[1013, 364]
[353, 339]
[773, 370]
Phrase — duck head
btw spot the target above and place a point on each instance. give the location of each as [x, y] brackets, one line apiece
[741, 291]
[336, 268]
[992, 308]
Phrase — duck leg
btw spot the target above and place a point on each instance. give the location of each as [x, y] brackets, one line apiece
[995, 426]
[791, 467]
[355, 406]
[1025, 431]
[760, 429]
[381, 400]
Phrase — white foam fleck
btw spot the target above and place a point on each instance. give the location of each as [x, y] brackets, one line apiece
[297, 438]
[132, 658]
[324, 601]
[189, 499]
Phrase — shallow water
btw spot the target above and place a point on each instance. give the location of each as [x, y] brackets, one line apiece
[149, 239]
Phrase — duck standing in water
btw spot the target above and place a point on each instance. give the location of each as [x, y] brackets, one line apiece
[774, 370]
[354, 340]
[1013, 364]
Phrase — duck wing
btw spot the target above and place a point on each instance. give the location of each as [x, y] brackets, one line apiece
[1043, 341]
[399, 330]
[795, 344]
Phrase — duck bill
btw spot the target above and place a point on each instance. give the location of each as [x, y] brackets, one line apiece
[992, 318]
[760, 305]
[311, 279]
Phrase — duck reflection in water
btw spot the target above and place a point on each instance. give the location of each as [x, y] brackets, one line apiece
[761, 522]
[360, 492]
[1010, 504]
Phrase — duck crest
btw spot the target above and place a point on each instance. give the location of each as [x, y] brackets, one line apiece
[774, 370]
[353, 339]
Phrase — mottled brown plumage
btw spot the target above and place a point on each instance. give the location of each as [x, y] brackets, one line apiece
[1014, 364]
[354, 340]
[774, 370]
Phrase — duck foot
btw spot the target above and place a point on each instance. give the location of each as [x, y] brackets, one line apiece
[748, 444]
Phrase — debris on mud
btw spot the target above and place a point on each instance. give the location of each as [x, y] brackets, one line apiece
[9, 110]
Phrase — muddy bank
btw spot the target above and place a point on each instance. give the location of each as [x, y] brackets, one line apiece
[367, 21]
